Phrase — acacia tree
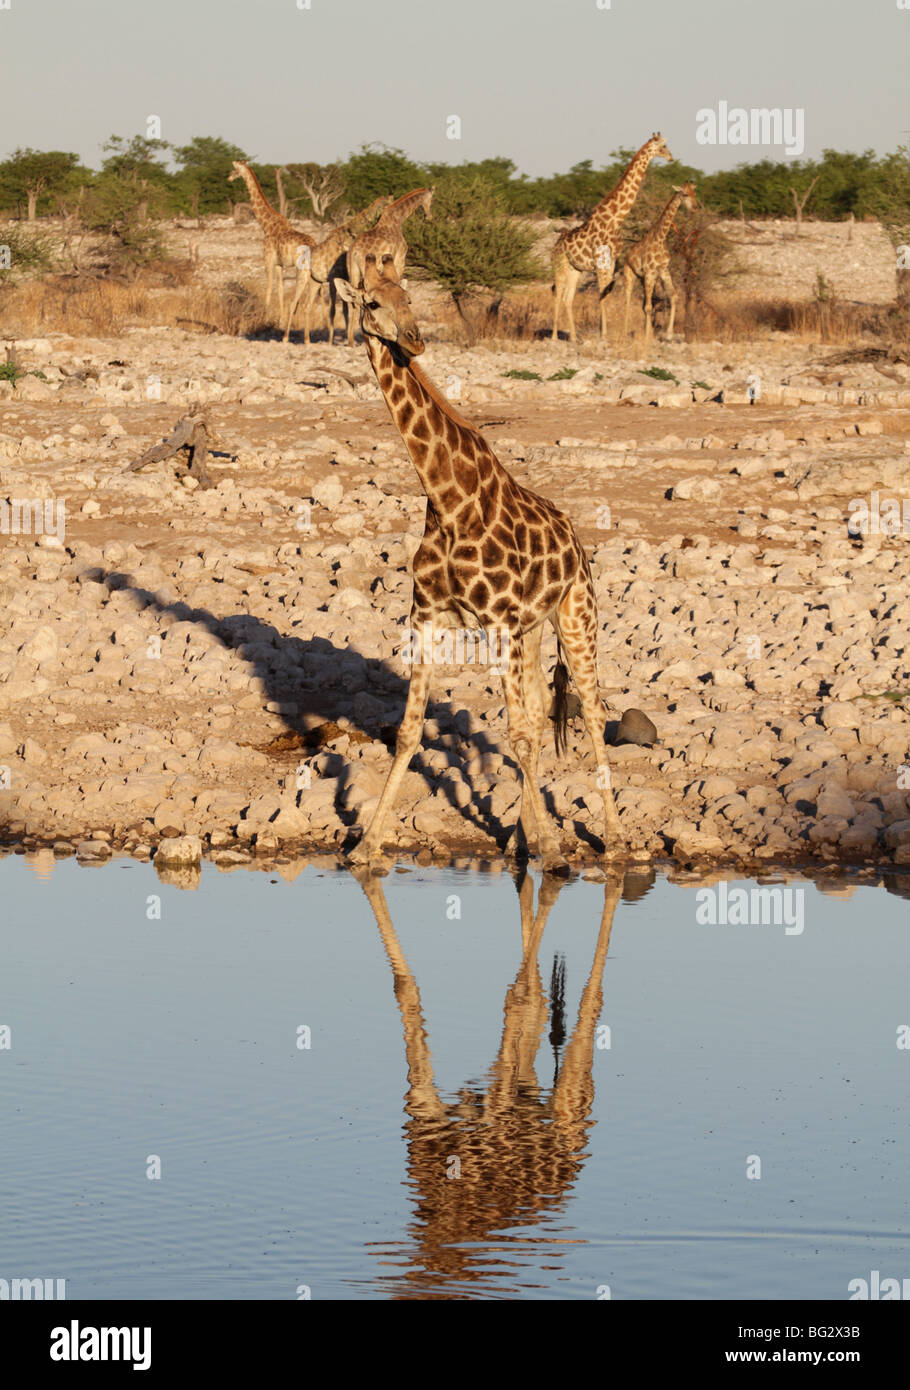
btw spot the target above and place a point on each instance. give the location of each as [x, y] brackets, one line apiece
[323, 184]
[378, 169]
[31, 175]
[204, 167]
[471, 243]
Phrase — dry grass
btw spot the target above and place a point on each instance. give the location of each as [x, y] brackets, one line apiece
[527, 315]
[167, 294]
[104, 308]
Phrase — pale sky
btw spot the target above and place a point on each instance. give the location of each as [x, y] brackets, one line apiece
[546, 82]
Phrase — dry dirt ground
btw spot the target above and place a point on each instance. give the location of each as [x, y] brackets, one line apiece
[224, 669]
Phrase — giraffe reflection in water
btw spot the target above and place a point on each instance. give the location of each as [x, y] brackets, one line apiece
[504, 1154]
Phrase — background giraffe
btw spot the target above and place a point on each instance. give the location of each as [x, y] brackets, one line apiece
[595, 244]
[327, 262]
[386, 243]
[283, 244]
[649, 260]
[493, 555]
[520, 1145]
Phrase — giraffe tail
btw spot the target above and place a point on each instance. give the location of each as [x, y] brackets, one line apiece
[560, 702]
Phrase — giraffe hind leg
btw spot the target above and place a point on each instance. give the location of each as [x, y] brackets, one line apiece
[536, 694]
[576, 624]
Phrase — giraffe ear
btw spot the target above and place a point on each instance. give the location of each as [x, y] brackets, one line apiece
[348, 293]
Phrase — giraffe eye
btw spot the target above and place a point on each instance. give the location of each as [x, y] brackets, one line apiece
[373, 304]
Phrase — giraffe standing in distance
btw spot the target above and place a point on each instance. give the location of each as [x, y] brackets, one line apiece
[386, 243]
[284, 245]
[327, 261]
[649, 260]
[493, 555]
[595, 244]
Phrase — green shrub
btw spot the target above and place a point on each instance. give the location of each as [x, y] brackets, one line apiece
[471, 243]
[23, 253]
[659, 374]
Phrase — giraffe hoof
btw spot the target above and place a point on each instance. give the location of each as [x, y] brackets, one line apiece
[365, 856]
[556, 863]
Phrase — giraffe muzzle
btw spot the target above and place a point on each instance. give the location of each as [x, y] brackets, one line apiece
[411, 346]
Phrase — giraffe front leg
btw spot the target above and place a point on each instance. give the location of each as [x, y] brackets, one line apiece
[522, 739]
[627, 286]
[369, 850]
[333, 301]
[604, 281]
[557, 306]
[670, 290]
[536, 705]
[269, 267]
[570, 313]
[302, 285]
[309, 303]
[649, 295]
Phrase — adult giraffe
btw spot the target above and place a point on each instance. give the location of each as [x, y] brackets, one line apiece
[283, 244]
[595, 244]
[493, 555]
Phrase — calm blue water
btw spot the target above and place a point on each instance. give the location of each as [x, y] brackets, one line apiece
[470, 1119]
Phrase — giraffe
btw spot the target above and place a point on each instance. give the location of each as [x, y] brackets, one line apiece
[520, 1145]
[649, 260]
[493, 555]
[386, 243]
[595, 244]
[326, 263]
[283, 244]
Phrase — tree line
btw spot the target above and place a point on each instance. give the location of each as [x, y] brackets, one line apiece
[155, 179]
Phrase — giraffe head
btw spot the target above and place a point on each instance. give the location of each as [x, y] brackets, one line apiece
[385, 310]
[656, 147]
[687, 192]
[237, 170]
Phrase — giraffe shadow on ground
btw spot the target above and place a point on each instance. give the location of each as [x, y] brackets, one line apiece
[322, 683]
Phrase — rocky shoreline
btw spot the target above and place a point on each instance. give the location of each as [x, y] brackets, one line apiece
[227, 665]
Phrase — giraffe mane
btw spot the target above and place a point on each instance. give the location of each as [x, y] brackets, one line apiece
[443, 404]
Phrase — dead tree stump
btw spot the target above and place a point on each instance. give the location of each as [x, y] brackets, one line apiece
[190, 433]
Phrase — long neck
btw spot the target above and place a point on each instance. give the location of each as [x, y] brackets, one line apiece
[261, 207]
[364, 219]
[393, 216]
[450, 455]
[661, 228]
[615, 207]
